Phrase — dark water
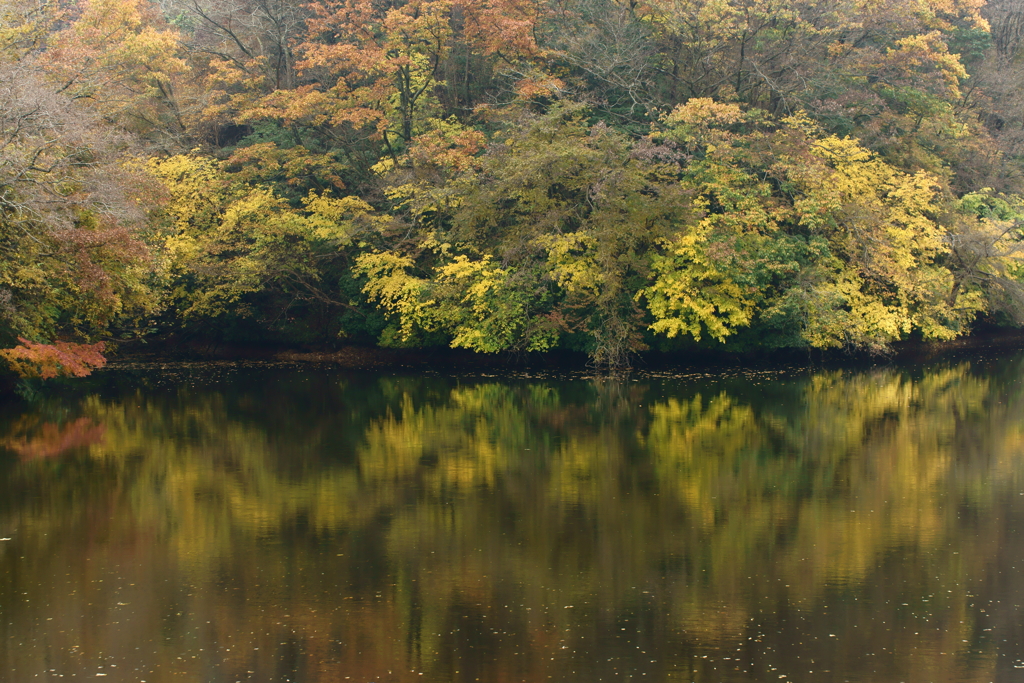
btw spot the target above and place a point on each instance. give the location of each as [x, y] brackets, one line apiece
[217, 524]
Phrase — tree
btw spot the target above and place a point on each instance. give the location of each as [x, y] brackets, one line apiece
[71, 261]
[547, 233]
[387, 68]
[228, 244]
[240, 51]
[45, 361]
[121, 58]
[986, 252]
[804, 231]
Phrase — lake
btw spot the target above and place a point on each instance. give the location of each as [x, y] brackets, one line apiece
[218, 523]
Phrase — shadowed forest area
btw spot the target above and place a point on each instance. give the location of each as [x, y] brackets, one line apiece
[600, 176]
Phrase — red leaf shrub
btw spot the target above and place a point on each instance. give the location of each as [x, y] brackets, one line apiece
[60, 359]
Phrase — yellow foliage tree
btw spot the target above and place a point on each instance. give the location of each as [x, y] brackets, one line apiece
[224, 240]
[804, 226]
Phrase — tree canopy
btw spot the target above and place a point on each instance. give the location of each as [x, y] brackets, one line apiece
[606, 176]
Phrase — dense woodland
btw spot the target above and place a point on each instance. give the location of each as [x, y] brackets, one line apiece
[605, 176]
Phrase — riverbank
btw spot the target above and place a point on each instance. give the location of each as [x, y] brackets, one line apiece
[361, 357]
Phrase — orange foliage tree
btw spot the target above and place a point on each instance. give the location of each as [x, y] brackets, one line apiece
[60, 359]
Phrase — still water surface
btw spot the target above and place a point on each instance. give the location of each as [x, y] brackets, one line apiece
[219, 524]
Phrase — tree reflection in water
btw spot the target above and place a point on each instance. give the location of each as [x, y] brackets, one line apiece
[280, 525]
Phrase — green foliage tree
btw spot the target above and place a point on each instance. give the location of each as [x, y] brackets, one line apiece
[546, 233]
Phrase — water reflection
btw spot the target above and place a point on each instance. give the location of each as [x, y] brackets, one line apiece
[32, 437]
[287, 526]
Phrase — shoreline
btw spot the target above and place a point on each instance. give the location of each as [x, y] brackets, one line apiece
[444, 359]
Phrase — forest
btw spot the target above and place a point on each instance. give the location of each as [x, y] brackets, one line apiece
[598, 176]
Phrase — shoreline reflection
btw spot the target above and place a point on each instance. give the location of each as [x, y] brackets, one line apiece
[312, 527]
